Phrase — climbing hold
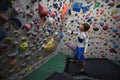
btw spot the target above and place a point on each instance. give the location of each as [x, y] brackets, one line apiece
[19, 69]
[111, 4]
[64, 10]
[13, 62]
[55, 5]
[17, 21]
[69, 12]
[112, 50]
[97, 4]
[119, 27]
[42, 10]
[70, 45]
[101, 11]
[115, 46]
[105, 27]
[114, 11]
[85, 9]
[114, 29]
[61, 35]
[3, 47]
[106, 1]
[50, 20]
[56, 33]
[95, 19]
[60, 4]
[115, 17]
[52, 14]
[24, 39]
[95, 29]
[101, 23]
[77, 7]
[50, 45]
[23, 46]
[3, 34]
[13, 54]
[89, 20]
[47, 33]
[29, 69]
[118, 6]
[33, 67]
[8, 39]
[27, 27]
[15, 43]
[11, 70]
[102, 55]
[88, 1]
[33, 1]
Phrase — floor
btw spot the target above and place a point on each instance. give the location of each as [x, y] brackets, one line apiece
[57, 63]
[48, 68]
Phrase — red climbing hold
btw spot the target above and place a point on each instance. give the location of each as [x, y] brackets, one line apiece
[3, 18]
[112, 50]
[13, 62]
[111, 4]
[42, 10]
[105, 27]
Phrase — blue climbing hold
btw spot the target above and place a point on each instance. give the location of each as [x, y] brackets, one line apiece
[69, 12]
[3, 34]
[101, 23]
[116, 46]
[114, 29]
[17, 21]
[111, 39]
[55, 5]
[106, 1]
[60, 4]
[77, 7]
[61, 35]
[84, 9]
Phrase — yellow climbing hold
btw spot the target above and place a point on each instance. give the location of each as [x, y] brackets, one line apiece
[108, 17]
[72, 15]
[23, 46]
[19, 69]
[50, 45]
[11, 70]
[29, 69]
[114, 11]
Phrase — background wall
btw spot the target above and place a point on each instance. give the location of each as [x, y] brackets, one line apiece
[104, 35]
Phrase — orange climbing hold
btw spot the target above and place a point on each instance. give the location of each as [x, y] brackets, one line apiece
[64, 10]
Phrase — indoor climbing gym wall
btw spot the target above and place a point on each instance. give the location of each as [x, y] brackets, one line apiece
[104, 35]
[30, 31]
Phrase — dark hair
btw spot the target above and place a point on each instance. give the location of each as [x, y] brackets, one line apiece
[86, 26]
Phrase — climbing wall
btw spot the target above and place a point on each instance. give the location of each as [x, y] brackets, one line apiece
[30, 31]
[29, 37]
[104, 35]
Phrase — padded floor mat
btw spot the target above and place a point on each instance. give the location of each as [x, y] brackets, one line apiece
[98, 68]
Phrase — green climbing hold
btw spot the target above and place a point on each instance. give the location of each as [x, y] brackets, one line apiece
[97, 4]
